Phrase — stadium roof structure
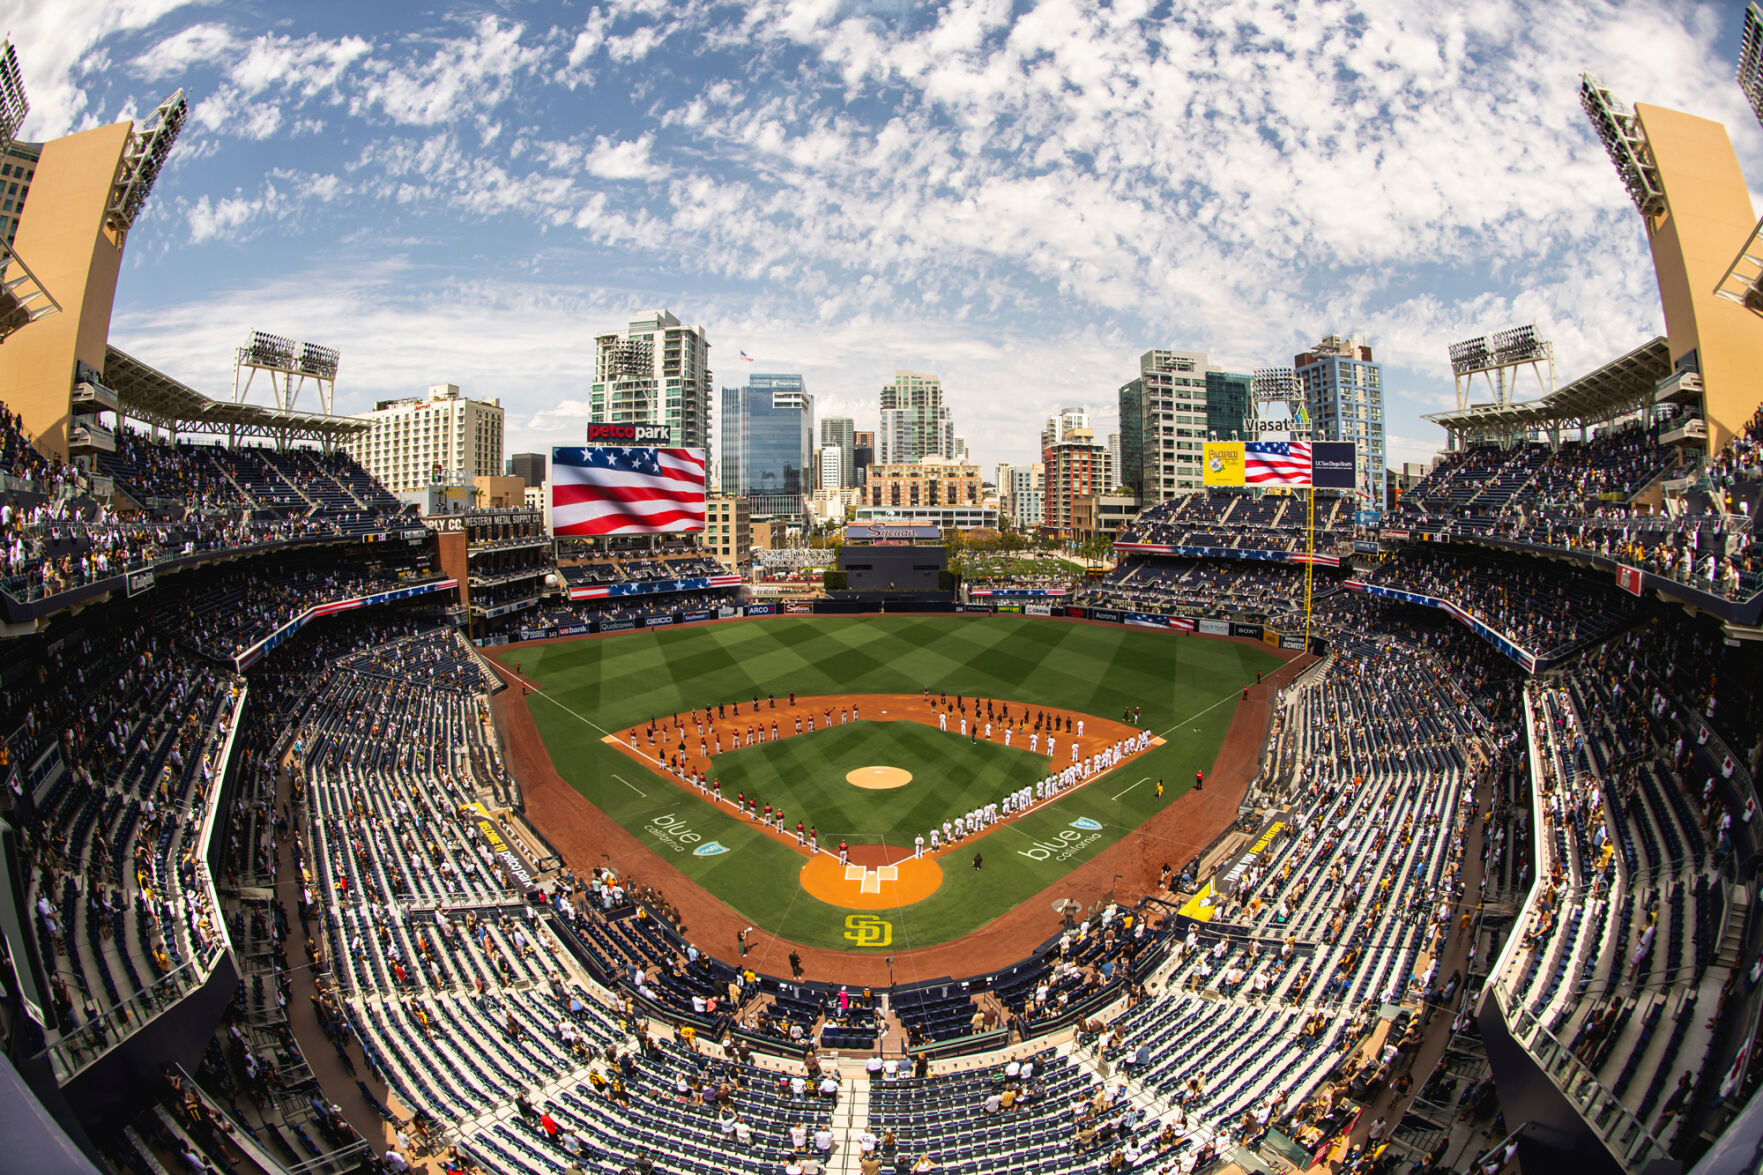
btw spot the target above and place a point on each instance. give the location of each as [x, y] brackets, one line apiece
[1623, 385]
[148, 394]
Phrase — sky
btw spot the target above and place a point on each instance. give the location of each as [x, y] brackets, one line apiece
[1020, 198]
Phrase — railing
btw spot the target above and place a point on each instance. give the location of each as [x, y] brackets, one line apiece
[71, 1052]
[1693, 428]
[1625, 1135]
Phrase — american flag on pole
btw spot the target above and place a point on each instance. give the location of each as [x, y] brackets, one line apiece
[612, 490]
[1276, 463]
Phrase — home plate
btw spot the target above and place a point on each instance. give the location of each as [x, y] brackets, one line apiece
[870, 879]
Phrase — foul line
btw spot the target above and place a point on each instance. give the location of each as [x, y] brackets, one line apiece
[1118, 794]
[1201, 713]
[632, 786]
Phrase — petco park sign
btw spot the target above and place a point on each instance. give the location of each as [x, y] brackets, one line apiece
[630, 434]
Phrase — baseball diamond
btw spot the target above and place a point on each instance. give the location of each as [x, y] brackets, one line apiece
[727, 752]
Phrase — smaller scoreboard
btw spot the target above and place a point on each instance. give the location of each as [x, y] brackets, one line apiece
[657, 436]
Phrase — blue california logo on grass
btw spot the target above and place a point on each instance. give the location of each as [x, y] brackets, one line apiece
[710, 850]
[1085, 823]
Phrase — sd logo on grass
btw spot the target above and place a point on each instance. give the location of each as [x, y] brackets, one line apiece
[1085, 823]
[866, 930]
[710, 850]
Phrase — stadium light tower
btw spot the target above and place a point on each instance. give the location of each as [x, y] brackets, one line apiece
[1498, 359]
[287, 365]
[1278, 386]
[1626, 144]
[23, 300]
[1743, 280]
[149, 144]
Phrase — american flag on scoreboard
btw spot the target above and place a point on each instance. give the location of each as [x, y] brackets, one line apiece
[1276, 463]
[614, 490]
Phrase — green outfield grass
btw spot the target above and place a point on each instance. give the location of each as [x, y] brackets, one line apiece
[1186, 688]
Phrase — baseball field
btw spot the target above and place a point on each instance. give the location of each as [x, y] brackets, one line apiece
[878, 769]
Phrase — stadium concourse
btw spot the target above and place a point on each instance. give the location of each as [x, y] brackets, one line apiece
[295, 887]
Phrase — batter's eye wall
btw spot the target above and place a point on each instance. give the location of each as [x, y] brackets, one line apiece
[900, 569]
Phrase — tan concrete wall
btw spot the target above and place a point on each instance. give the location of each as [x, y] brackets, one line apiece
[1708, 217]
[63, 239]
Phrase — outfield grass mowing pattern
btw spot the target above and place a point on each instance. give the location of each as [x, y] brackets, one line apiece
[1186, 688]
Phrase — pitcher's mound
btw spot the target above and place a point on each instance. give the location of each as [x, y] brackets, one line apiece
[879, 778]
[871, 887]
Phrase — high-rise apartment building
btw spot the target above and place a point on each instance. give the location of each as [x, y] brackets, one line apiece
[1114, 455]
[832, 468]
[768, 442]
[840, 431]
[1343, 392]
[1060, 424]
[932, 481]
[1230, 410]
[1026, 494]
[529, 467]
[728, 530]
[862, 455]
[655, 371]
[1168, 413]
[1076, 467]
[914, 422]
[409, 441]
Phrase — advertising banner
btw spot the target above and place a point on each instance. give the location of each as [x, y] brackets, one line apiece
[1252, 631]
[799, 608]
[652, 587]
[762, 609]
[617, 625]
[1333, 465]
[1013, 608]
[574, 629]
[1037, 609]
[1629, 579]
[656, 621]
[1105, 614]
[1215, 627]
[1224, 463]
[725, 612]
[689, 617]
[1292, 642]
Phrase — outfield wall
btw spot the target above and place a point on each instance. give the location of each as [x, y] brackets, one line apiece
[1026, 606]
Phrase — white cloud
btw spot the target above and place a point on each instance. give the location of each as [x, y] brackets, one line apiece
[55, 43]
[1022, 199]
[628, 160]
[464, 76]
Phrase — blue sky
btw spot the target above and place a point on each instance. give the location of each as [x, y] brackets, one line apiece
[1020, 198]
